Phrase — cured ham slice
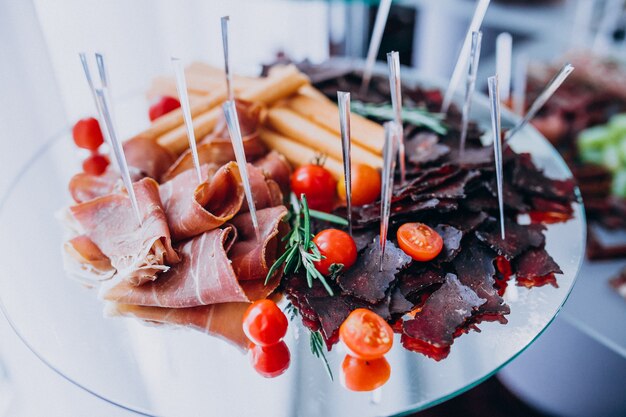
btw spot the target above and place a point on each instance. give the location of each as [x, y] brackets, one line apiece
[85, 261]
[221, 320]
[193, 208]
[265, 191]
[205, 274]
[251, 259]
[217, 148]
[275, 166]
[148, 157]
[84, 187]
[138, 253]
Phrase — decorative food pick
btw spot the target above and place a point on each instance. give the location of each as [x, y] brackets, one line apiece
[519, 87]
[118, 150]
[92, 88]
[229, 77]
[181, 87]
[386, 191]
[343, 100]
[104, 81]
[545, 95]
[461, 62]
[377, 36]
[494, 101]
[504, 50]
[395, 85]
[470, 85]
[232, 120]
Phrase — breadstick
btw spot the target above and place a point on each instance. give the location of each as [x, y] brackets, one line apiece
[364, 132]
[293, 125]
[296, 153]
[282, 83]
[176, 140]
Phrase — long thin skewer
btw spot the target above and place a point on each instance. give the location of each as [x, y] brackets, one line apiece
[545, 95]
[229, 77]
[377, 36]
[461, 63]
[519, 88]
[232, 120]
[395, 85]
[494, 101]
[104, 81]
[504, 51]
[470, 86]
[118, 150]
[389, 156]
[343, 100]
[92, 88]
[181, 87]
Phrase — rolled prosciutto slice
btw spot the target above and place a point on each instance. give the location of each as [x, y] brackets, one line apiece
[84, 187]
[252, 260]
[221, 320]
[150, 158]
[217, 148]
[265, 191]
[275, 166]
[136, 252]
[85, 261]
[204, 276]
[193, 208]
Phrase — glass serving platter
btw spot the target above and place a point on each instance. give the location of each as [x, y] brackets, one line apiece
[168, 371]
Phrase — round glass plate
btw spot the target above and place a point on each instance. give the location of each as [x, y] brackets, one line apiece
[167, 371]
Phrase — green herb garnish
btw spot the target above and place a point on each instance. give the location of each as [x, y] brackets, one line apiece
[415, 116]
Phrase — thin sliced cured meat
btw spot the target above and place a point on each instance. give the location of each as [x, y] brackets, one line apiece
[148, 156]
[221, 320]
[204, 276]
[265, 191]
[275, 166]
[535, 268]
[85, 261]
[84, 187]
[252, 259]
[137, 252]
[518, 237]
[193, 208]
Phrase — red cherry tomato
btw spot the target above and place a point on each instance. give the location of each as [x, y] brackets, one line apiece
[419, 241]
[264, 323]
[336, 247]
[270, 361]
[366, 334]
[96, 164]
[165, 105]
[317, 183]
[87, 134]
[365, 185]
[364, 375]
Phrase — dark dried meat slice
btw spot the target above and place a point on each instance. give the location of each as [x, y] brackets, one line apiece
[466, 221]
[399, 304]
[365, 280]
[425, 148]
[433, 328]
[532, 180]
[418, 278]
[535, 268]
[517, 239]
[451, 242]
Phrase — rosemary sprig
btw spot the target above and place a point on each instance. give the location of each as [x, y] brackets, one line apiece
[414, 116]
[300, 249]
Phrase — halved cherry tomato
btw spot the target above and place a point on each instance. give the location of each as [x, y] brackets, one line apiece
[365, 185]
[366, 334]
[419, 241]
[264, 323]
[336, 247]
[163, 106]
[87, 134]
[96, 164]
[364, 375]
[270, 361]
[317, 183]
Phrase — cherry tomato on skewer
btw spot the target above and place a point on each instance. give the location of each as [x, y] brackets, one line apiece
[419, 241]
[366, 334]
[264, 323]
[364, 375]
[87, 134]
[96, 164]
[270, 361]
[163, 106]
[365, 185]
[336, 247]
[317, 183]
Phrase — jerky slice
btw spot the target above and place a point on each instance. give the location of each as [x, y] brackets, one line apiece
[518, 238]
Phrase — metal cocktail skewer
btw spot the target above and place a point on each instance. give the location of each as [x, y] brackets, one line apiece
[494, 101]
[395, 86]
[461, 62]
[389, 157]
[519, 88]
[469, 88]
[377, 36]
[545, 95]
[504, 50]
[343, 100]
[181, 87]
[229, 77]
[230, 111]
